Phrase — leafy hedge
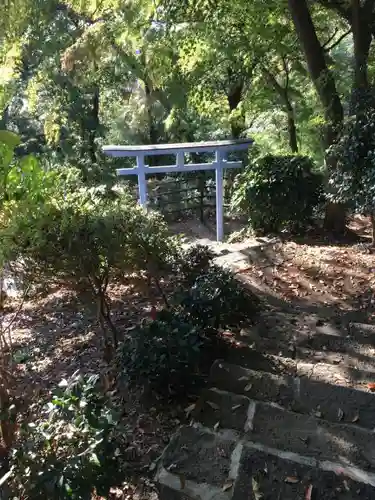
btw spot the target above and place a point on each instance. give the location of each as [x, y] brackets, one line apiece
[279, 192]
[192, 262]
[353, 180]
[86, 238]
[216, 299]
[169, 353]
[70, 450]
[163, 354]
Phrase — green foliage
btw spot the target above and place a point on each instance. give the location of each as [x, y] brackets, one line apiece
[24, 180]
[88, 234]
[193, 261]
[216, 299]
[167, 354]
[163, 354]
[70, 450]
[278, 192]
[353, 180]
[84, 239]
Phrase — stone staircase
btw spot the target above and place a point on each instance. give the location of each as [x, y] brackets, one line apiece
[299, 427]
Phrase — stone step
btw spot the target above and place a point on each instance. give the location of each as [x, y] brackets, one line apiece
[327, 368]
[350, 364]
[274, 426]
[200, 464]
[306, 393]
[325, 348]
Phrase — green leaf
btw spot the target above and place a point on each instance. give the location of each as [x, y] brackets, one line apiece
[10, 139]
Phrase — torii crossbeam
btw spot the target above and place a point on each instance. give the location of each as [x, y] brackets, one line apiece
[220, 148]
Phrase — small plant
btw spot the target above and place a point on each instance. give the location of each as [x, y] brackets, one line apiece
[217, 299]
[193, 262]
[162, 355]
[279, 192]
[70, 451]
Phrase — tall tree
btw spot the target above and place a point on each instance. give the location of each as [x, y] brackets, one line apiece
[321, 75]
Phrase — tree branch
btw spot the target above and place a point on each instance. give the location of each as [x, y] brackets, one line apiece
[286, 69]
[339, 40]
[330, 38]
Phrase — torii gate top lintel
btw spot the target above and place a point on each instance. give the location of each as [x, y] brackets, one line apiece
[220, 148]
[186, 147]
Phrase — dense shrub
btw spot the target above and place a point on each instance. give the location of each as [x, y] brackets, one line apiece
[163, 354]
[168, 354]
[279, 192]
[217, 299]
[352, 181]
[70, 450]
[192, 262]
[87, 238]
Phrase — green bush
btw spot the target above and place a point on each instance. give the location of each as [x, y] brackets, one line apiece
[169, 354]
[352, 181]
[162, 355]
[192, 262]
[217, 299]
[279, 192]
[87, 238]
[69, 451]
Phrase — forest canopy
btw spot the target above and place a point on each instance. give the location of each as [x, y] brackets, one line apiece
[78, 74]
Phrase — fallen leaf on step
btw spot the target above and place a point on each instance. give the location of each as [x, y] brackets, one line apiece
[213, 405]
[291, 480]
[216, 426]
[190, 408]
[228, 485]
[355, 419]
[235, 407]
[243, 379]
[371, 386]
[248, 387]
[309, 492]
[340, 414]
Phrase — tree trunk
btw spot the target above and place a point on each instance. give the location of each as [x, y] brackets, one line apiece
[320, 74]
[234, 96]
[322, 77]
[362, 40]
[292, 130]
[94, 125]
[284, 96]
[361, 23]
[152, 130]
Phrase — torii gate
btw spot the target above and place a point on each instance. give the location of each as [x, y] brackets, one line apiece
[220, 148]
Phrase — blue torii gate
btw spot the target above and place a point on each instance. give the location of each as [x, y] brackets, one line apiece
[220, 148]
